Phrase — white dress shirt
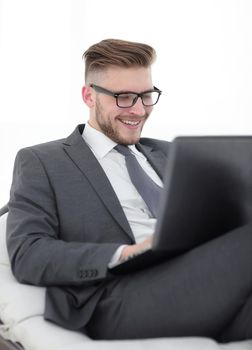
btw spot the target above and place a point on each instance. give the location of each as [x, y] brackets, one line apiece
[113, 163]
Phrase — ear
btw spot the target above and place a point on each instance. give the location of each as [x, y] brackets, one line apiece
[87, 96]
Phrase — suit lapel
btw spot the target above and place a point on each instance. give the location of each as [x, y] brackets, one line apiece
[82, 156]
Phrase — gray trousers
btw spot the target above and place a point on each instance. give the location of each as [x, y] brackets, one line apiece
[204, 292]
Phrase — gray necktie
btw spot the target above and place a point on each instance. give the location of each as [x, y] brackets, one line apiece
[147, 188]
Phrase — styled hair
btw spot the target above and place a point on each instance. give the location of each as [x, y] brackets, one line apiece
[115, 52]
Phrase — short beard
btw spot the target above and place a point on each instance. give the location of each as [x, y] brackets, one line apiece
[109, 131]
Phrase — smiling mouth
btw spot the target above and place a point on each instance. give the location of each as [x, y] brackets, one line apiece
[130, 122]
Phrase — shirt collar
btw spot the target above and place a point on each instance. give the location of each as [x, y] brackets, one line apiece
[100, 144]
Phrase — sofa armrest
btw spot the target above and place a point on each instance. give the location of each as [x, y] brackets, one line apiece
[4, 210]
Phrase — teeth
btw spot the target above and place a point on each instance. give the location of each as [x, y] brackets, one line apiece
[129, 122]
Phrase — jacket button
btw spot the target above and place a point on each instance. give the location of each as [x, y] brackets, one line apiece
[94, 273]
[88, 273]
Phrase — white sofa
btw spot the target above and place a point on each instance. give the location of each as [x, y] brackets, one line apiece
[22, 323]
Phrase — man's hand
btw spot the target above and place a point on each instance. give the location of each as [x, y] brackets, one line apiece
[131, 250]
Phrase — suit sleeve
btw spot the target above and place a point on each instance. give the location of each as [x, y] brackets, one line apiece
[37, 254]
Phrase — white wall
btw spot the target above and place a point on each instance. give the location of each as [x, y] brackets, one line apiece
[204, 66]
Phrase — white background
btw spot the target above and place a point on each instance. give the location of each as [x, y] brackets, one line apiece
[204, 66]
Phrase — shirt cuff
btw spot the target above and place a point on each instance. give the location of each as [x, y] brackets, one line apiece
[116, 256]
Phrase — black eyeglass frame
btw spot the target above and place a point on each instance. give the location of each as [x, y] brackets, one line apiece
[117, 94]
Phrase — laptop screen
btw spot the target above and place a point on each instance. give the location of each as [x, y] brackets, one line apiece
[207, 191]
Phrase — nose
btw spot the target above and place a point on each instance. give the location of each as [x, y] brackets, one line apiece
[138, 108]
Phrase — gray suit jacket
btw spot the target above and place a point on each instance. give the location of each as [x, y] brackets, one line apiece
[65, 222]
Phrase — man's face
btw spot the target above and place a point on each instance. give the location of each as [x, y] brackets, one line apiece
[122, 125]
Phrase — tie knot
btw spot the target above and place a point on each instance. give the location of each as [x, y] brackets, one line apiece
[124, 150]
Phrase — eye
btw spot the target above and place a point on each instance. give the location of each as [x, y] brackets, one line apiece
[126, 97]
[147, 96]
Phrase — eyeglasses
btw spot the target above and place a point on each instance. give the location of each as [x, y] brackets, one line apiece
[128, 98]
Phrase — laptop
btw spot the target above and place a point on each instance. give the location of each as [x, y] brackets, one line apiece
[207, 192]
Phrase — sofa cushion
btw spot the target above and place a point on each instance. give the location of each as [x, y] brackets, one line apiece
[18, 301]
[31, 334]
[37, 334]
[4, 259]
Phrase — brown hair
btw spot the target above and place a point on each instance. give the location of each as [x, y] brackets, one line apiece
[115, 52]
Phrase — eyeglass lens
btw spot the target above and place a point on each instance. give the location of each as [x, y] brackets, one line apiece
[128, 100]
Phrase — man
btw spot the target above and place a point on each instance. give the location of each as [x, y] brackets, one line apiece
[74, 212]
